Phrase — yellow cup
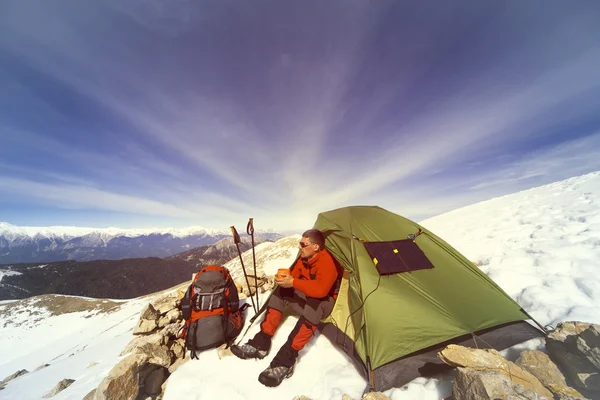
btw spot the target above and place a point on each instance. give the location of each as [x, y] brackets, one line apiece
[282, 273]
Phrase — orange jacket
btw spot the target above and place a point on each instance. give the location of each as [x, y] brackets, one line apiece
[315, 278]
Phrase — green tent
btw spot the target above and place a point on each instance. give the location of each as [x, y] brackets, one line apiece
[406, 294]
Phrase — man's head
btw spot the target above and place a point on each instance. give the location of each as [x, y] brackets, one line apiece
[311, 243]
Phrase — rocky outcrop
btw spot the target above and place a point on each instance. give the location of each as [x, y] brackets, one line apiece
[539, 365]
[122, 380]
[153, 354]
[263, 283]
[14, 376]
[156, 351]
[41, 367]
[485, 374]
[473, 384]
[60, 386]
[575, 347]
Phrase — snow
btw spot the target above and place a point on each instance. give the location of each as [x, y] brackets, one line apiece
[7, 272]
[12, 232]
[542, 246]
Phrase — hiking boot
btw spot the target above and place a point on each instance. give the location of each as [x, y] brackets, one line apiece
[273, 376]
[247, 351]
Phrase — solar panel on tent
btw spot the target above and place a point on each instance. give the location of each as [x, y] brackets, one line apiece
[397, 256]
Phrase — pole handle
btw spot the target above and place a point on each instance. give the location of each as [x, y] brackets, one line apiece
[250, 227]
[236, 236]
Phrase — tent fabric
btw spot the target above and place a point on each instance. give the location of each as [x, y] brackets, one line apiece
[389, 323]
[426, 362]
[398, 314]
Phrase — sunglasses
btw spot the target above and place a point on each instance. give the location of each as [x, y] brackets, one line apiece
[303, 245]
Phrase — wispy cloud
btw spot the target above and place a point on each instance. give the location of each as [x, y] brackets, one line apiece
[182, 116]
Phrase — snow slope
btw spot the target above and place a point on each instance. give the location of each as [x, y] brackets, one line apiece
[542, 246]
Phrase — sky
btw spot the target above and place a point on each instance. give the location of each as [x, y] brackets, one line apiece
[540, 246]
[141, 114]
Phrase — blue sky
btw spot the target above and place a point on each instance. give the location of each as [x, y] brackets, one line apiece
[156, 114]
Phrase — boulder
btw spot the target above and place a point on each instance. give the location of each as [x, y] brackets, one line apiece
[154, 381]
[150, 313]
[167, 303]
[171, 330]
[60, 386]
[565, 393]
[575, 347]
[90, 395]
[375, 396]
[490, 384]
[154, 354]
[491, 360]
[145, 326]
[41, 367]
[139, 341]
[171, 316]
[122, 380]
[178, 348]
[539, 365]
[15, 375]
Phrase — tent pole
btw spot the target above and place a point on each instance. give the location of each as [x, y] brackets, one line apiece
[537, 323]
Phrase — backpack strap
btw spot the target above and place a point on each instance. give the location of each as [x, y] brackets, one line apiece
[193, 347]
[226, 319]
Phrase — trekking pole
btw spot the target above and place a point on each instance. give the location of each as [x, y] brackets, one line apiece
[250, 231]
[236, 240]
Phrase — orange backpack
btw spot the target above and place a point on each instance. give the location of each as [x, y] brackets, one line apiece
[211, 310]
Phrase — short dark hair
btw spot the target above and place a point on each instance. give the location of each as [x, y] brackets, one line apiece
[316, 237]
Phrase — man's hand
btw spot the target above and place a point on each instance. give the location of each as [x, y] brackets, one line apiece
[286, 282]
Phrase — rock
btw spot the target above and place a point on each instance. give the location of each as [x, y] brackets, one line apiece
[575, 347]
[491, 360]
[154, 354]
[145, 326]
[139, 341]
[490, 384]
[375, 396]
[540, 366]
[565, 393]
[15, 375]
[154, 380]
[2, 385]
[347, 397]
[41, 367]
[302, 397]
[60, 386]
[150, 313]
[178, 348]
[588, 343]
[122, 379]
[90, 395]
[167, 303]
[163, 387]
[170, 317]
[178, 363]
[171, 330]
[93, 363]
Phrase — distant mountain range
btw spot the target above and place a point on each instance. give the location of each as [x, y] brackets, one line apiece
[48, 244]
[217, 254]
[115, 279]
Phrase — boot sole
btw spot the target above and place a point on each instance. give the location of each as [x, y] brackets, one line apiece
[272, 382]
[243, 356]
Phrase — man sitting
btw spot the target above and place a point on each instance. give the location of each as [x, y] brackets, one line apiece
[310, 290]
